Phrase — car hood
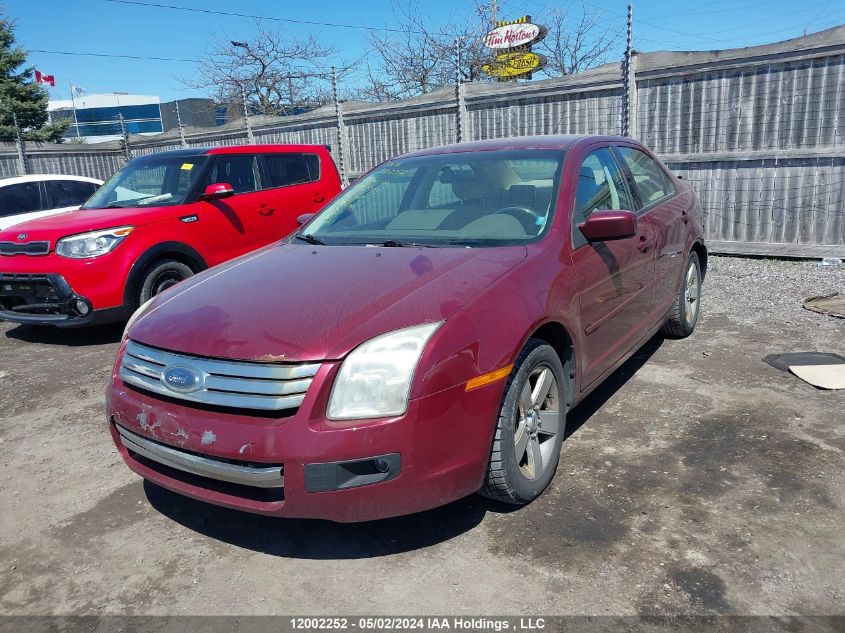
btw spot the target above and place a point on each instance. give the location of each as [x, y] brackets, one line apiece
[53, 228]
[296, 302]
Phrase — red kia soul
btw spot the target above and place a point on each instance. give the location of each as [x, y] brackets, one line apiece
[157, 221]
[422, 338]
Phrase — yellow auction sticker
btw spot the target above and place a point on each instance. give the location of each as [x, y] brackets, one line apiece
[187, 165]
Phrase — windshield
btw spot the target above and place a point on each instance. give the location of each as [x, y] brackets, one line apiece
[154, 180]
[494, 198]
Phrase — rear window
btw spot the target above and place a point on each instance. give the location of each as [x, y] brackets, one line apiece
[291, 169]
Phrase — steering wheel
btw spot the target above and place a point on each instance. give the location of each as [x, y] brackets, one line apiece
[530, 220]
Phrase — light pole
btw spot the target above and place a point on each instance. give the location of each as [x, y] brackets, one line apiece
[249, 135]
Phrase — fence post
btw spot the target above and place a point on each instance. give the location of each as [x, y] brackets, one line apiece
[124, 139]
[249, 136]
[341, 131]
[629, 81]
[181, 127]
[461, 109]
[19, 145]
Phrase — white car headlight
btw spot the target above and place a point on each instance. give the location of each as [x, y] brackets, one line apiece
[375, 378]
[92, 244]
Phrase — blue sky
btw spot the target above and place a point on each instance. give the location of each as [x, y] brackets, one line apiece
[108, 27]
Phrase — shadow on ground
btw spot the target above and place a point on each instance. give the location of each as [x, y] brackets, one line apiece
[613, 383]
[71, 337]
[323, 540]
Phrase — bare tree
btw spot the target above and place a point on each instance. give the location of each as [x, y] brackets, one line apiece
[278, 74]
[421, 56]
[573, 46]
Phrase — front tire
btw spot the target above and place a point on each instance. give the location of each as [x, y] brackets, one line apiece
[530, 427]
[685, 311]
[162, 275]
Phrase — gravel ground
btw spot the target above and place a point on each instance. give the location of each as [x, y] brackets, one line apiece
[696, 480]
[753, 290]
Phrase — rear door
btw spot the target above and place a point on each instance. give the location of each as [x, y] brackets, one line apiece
[614, 277]
[20, 202]
[658, 201]
[293, 185]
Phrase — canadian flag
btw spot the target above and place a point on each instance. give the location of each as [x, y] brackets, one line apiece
[41, 78]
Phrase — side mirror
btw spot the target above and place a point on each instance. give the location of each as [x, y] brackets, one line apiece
[217, 190]
[302, 219]
[602, 226]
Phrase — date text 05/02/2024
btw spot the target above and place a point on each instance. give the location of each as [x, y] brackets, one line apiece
[431, 623]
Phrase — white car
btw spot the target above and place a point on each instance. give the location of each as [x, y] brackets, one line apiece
[24, 198]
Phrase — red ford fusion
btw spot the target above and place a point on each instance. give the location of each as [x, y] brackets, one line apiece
[420, 339]
[157, 221]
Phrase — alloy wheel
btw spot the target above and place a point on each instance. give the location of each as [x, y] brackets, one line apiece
[538, 422]
[692, 294]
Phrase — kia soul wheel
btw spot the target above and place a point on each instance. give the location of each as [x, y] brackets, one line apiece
[162, 275]
[530, 427]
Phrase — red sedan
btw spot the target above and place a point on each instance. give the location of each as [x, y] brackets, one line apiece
[420, 339]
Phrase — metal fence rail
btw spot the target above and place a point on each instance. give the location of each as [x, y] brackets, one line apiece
[756, 131]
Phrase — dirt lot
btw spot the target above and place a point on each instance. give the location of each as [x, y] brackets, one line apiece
[698, 480]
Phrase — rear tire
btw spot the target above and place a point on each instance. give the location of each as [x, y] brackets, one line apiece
[685, 311]
[530, 427]
[161, 275]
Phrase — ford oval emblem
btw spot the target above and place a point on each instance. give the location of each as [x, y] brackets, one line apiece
[182, 379]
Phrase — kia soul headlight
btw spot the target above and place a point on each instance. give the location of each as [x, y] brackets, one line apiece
[375, 378]
[92, 244]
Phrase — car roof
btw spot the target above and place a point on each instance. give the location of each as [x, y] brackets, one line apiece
[561, 141]
[234, 149]
[14, 180]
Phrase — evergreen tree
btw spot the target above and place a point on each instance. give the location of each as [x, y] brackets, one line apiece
[19, 94]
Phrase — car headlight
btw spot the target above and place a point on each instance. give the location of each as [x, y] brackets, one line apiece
[92, 244]
[375, 378]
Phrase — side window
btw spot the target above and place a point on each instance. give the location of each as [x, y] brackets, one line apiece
[601, 186]
[68, 193]
[20, 198]
[291, 169]
[238, 170]
[650, 180]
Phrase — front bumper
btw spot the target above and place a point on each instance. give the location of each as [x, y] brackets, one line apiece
[359, 470]
[47, 299]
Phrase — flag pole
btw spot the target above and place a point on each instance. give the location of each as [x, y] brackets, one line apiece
[73, 104]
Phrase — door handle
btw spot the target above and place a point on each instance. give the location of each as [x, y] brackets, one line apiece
[684, 216]
[319, 197]
[268, 211]
[644, 243]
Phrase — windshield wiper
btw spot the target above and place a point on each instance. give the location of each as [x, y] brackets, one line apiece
[398, 243]
[307, 237]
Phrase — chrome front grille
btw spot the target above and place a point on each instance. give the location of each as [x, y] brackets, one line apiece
[222, 383]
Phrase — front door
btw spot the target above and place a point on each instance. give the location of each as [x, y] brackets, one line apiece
[615, 277]
[245, 220]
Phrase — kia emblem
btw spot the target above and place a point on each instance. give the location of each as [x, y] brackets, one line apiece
[22, 236]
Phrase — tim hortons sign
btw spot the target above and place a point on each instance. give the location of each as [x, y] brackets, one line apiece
[513, 65]
[514, 35]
